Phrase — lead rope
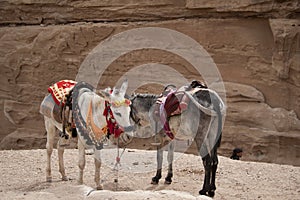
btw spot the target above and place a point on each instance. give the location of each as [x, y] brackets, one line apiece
[117, 165]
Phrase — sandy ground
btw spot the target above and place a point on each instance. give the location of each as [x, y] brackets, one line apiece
[23, 177]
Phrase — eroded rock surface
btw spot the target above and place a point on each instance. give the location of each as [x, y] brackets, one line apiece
[255, 45]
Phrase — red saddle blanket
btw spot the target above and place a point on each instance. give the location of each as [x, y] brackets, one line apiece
[60, 89]
[175, 103]
[172, 104]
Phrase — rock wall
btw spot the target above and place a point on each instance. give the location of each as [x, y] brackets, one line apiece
[255, 45]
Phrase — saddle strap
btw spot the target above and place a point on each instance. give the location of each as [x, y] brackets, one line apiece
[67, 116]
[112, 125]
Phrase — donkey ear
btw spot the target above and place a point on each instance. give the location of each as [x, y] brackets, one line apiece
[104, 94]
[124, 87]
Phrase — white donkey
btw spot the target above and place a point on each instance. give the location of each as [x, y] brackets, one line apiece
[97, 115]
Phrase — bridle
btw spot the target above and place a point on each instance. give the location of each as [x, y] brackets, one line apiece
[133, 115]
[110, 118]
[125, 102]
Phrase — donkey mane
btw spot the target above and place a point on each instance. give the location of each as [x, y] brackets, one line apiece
[147, 100]
[140, 95]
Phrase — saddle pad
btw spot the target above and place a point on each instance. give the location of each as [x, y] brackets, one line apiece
[80, 120]
[50, 109]
[174, 104]
[60, 89]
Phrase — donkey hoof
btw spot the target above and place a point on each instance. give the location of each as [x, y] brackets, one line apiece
[49, 179]
[168, 181]
[64, 178]
[211, 193]
[154, 180]
[202, 192]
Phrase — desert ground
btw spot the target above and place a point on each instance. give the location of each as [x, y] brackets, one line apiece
[23, 177]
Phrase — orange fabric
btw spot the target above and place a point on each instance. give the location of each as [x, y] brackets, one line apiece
[96, 133]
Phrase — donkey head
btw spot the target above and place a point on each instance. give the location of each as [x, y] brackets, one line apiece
[120, 106]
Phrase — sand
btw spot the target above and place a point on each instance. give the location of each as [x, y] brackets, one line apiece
[23, 177]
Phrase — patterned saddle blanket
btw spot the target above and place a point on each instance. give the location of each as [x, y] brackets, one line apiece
[55, 104]
[60, 89]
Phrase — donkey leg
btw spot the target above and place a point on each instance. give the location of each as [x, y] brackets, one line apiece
[50, 128]
[97, 169]
[81, 161]
[207, 167]
[60, 151]
[159, 158]
[168, 179]
[212, 186]
[214, 167]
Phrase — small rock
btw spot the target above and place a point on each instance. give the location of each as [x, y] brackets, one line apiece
[135, 163]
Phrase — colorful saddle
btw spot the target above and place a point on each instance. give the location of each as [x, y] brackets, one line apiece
[173, 103]
[60, 89]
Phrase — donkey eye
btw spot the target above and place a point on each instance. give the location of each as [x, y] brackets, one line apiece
[119, 114]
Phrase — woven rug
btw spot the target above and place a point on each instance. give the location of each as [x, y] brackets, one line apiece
[60, 89]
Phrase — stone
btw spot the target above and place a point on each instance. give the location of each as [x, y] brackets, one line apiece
[24, 138]
[254, 44]
[286, 41]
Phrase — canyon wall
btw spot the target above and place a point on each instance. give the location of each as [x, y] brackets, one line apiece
[254, 43]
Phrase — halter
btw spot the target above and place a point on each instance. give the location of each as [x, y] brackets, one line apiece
[125, 102]
[133, 116]
[111, 122]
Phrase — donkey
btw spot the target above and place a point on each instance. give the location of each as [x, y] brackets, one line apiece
[52, 110]
[200, 121]
[89, 106]
[99, 117]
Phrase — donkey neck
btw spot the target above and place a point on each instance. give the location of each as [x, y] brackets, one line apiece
[144, 101]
